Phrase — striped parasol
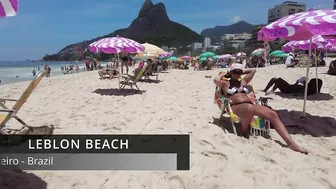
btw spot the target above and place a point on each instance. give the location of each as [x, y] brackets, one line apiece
[164, 54]
[8, 8]
[117, 44]
[114, 45]
[301, 26]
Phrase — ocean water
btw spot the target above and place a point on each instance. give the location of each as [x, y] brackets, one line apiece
[17, 71]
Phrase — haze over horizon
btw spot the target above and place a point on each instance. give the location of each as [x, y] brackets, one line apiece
[44, 27]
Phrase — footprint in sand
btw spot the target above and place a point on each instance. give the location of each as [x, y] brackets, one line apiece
[176, 182]
[222, 157]
[326, 183]
[206, 143]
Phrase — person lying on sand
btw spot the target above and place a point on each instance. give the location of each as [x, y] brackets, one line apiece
[108, 71]
[236, 90]
[298, 87]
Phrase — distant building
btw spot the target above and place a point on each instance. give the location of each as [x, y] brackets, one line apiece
[284, 9]
[253, 42]
[165, 48]
[207, 42]
[235, 40]
[196, 45]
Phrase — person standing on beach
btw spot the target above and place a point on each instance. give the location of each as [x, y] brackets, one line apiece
[87, 64]
[124, 61]
[77, 68]
[95, 62]
[34, 72]
[38, 68]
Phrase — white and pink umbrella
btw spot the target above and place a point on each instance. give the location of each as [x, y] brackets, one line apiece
[318, 42]
[186, 57]
[225, 56]
[114, 45]
[240, 54]
[301, 26]
[8, 8]
[164, 54]
[117, 44]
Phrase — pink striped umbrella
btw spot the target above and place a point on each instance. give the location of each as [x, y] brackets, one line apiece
[116, 45]
[225, 56]
[186, 57]
[301, 26]
[8, 8]
[318, 42]
[165, 54]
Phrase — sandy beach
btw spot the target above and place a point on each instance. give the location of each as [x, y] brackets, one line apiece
[182, 103]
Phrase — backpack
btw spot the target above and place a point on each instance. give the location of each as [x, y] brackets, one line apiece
[332, 68]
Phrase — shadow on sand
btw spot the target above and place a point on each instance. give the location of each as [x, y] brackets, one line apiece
[118, 92]
[150, 81]
[18, 179]
[316, 126]
[317, 97]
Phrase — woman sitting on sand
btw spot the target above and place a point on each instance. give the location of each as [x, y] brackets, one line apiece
[236, 90]
[108, 71]
[297, 87]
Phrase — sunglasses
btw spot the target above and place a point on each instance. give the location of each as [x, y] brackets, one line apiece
[237, 72]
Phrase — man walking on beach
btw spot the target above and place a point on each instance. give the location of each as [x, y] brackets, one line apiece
[34, 72]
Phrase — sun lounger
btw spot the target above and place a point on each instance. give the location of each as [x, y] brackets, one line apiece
[7, 114]
[259, 125]
[132, 80]
[147, 75]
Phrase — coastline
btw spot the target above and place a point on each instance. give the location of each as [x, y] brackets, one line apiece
[182, 103]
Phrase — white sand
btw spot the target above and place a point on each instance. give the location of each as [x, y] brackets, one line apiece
[183, 103]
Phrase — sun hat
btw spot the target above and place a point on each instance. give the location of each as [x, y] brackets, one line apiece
[236, 66]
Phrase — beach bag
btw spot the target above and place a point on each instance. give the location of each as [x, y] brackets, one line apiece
[332, 68]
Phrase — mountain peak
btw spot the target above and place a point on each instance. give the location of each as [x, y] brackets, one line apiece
[148, 4]
[239, 27]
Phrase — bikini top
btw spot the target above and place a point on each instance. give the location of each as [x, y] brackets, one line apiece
[233, 90]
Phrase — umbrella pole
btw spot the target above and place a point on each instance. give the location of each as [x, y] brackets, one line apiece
[119, 64]
[316, 71]
[303, 116]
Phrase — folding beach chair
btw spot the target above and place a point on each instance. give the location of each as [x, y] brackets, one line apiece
[146, 75]
[259, 125]
[132, 80]
[7, 114]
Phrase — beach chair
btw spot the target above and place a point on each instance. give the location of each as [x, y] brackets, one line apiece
[132, 80]
[7, 114]
[146, 75]
[258, 126]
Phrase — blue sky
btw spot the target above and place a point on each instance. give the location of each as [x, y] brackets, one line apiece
[46, 26]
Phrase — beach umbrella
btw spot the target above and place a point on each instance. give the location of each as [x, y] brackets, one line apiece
[281, 55]
[225, 56]
[152, 49]
[317, 42]
[8, 8]
[203, 59]
[301, 26]
[143, 56]
[115, 45]
[207, 54]
[164, 54]
[173, 58]
[258, 52]
[240, 54]
[276, 52]
[185, 57]
[216, 57]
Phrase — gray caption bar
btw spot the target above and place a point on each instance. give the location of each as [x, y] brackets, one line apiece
[88, 161]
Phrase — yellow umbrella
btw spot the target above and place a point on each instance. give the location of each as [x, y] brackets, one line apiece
[152, 49]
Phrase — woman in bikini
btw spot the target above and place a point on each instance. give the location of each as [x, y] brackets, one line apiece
[236, 90]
